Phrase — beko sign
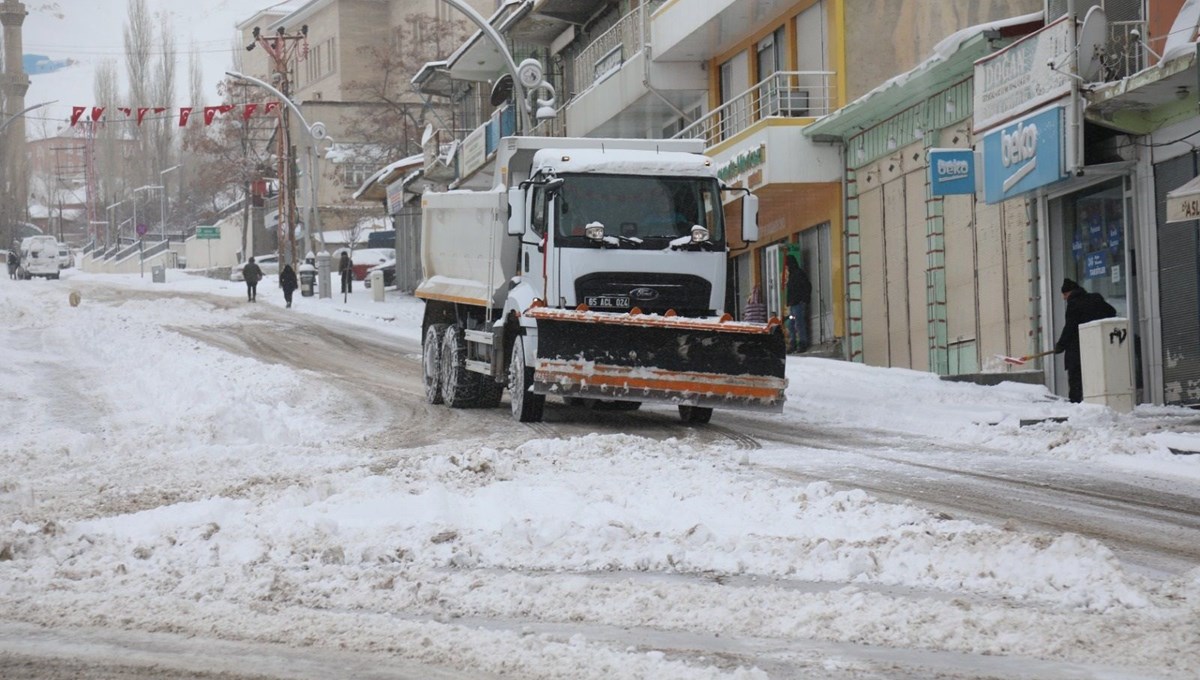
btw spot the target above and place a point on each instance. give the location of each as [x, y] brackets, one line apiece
[1023, 156]
[951, 171]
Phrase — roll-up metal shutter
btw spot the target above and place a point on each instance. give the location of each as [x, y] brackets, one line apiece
[1179, 286]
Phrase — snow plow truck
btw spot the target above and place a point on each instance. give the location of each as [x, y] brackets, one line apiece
[593, 270]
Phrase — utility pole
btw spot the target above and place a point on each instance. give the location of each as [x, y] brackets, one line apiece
[284, 49]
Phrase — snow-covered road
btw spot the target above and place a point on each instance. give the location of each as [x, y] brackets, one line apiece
[186, 476]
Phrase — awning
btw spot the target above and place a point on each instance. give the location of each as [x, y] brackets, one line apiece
[1183, 204]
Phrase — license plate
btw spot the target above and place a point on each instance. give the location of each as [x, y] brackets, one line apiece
[606, 301]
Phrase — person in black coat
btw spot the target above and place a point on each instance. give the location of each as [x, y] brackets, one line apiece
[346, 270]
[252, 273]
[799, 290]
[1082, 307]
[288, 282]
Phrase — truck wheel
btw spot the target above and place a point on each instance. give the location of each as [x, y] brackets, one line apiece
[490, 391]
[459, 386]
[695, 415]
[527, 407]
[431, 362]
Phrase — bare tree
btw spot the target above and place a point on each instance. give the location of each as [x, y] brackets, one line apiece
[394, 116]
[139, 38]
[163, 94]
[111, 181]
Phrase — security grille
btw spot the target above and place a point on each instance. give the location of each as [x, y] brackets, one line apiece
[1125, 51]
[1178, 286]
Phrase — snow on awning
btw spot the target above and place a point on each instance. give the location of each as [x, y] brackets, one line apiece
[1183, 204]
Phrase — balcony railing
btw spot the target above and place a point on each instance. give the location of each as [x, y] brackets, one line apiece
[784, 94]
[1124, 52]
[611, 48]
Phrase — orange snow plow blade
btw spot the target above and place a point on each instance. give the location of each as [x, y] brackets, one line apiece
[660, 358]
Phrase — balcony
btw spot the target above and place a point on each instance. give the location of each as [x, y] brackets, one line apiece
[784, 94]
[620, 93]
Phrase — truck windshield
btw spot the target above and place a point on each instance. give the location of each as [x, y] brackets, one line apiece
[639, 209]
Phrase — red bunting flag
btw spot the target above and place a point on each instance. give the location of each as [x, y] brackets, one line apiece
[185, 112]
[211, 111]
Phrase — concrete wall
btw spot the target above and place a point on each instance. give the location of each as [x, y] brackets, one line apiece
[888, 37]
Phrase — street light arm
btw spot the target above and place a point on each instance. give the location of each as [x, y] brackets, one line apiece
[518, 87]
[24, 111]
[317, 130]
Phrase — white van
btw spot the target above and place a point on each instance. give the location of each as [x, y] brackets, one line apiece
[39, 257]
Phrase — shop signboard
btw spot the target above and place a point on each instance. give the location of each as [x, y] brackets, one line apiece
[951, 171]
[1023, 76]
[1023, 155]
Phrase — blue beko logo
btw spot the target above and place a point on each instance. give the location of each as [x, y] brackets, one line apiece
[1023, 156]
[951, 171]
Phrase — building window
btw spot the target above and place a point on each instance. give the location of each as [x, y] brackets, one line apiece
[354, 174]
[320, 62]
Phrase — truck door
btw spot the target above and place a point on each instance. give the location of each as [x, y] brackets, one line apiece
[534, 243]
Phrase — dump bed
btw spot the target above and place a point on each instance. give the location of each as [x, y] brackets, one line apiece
[466, 253]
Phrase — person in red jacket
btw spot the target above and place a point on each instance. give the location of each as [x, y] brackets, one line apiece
[1082, 307]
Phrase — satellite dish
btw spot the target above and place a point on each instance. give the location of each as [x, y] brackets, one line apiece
[427, 135]
[1092, 36]
[502, 90]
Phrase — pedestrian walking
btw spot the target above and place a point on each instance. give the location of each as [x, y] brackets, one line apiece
[756, 309]
[799, 290]
[14, 263]
[288, 282]
[253, 274]
[346, 270]
[1082, 307]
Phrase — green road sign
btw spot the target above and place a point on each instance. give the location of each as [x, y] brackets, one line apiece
[208, 232]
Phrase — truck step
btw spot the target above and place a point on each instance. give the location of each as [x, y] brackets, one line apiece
[481, 337]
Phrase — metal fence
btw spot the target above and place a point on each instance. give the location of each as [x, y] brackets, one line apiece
[786, 94]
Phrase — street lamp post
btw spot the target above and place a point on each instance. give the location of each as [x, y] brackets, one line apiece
[137, 227]
[111, 224]
[318, 132]
[163, 199]
[4, 145]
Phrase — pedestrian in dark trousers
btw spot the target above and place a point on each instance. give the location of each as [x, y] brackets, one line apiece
[1082, 307]
[346, 269]
[799, 290]
[253, 274]
[288, 282]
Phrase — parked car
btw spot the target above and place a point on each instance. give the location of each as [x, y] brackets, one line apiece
[39, 257]
[269, 264]
[389, 273]
[65, 258]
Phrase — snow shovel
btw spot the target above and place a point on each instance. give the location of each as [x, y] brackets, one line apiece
[1020, 361]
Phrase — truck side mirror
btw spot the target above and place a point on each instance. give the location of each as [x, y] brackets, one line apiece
[749, 217]
[516, 211]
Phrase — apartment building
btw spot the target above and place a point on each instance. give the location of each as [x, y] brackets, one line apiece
[341, 72]
[749, 79]
[1100, 111]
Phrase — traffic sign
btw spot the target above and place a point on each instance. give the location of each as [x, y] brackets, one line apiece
[208, 232]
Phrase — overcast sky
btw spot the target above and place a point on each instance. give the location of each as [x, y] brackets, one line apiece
[90, 32]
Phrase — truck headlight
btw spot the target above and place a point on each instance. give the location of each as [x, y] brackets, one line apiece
[594, 231]
[699, 234]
